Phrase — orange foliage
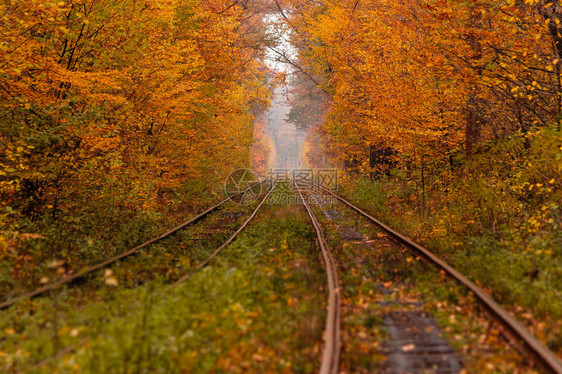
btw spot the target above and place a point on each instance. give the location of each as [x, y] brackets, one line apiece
[263, 148]
[125, 101]
[433, 77]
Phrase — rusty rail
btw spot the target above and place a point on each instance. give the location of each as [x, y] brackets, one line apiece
[72, 348]
[332, 344]
[227, 242]
[42, 290]
[516, 329]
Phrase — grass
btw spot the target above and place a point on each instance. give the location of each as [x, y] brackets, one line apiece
[259, 307]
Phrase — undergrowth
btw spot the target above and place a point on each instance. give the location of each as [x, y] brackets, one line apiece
[259, 307]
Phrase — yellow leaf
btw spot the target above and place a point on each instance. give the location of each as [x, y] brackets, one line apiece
[111, 281]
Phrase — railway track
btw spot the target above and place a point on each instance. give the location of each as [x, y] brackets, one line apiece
[332, 344]
[103, 264]
[331, 353]
[184, 278]
[215, 253]
[526, 342]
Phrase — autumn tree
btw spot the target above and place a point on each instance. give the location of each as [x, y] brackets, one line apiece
[124, 104]
[432, 78]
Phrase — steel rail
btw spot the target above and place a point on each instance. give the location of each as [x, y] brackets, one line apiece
[227, 242]
[182, 279]
[516, 329]
[332, 345]
[8, 303]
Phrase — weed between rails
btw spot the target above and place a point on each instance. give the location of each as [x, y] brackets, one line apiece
[259, 307]
[379, 279]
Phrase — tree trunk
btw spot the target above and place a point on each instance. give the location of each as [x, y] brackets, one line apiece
[474, 116]
[473, 127]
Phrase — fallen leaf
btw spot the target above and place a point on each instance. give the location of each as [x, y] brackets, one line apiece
[408, 347]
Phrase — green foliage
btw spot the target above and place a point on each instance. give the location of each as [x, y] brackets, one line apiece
[370, 194]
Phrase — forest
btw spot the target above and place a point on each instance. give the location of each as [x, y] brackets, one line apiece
[121, 123]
